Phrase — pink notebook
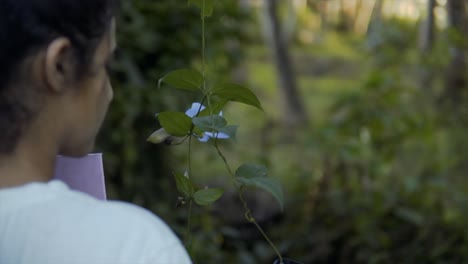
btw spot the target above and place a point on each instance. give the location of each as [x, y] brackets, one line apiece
[84, 174]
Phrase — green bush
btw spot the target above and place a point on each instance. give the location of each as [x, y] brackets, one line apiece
[155, 37]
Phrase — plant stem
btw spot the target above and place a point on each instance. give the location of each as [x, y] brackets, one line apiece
[248, 212]
[189, 214]
[203, 42]
[188, 238]
[251, 219]
[223, 157]
[190, 155]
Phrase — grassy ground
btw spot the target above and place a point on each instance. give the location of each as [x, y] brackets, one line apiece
[324, 71]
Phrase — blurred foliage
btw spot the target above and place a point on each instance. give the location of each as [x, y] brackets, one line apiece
[155, 37]
[392, 168]
[391, 39]
[379, 178]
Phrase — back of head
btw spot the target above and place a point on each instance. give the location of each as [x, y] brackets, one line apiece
[26, 27]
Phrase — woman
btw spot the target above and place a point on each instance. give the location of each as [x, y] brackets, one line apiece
[54, 93]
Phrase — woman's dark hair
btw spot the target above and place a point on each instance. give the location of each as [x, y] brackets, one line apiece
[29, 25]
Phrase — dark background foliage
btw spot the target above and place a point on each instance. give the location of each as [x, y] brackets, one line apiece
[377, 175]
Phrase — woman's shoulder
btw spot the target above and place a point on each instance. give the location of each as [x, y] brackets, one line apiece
[78, 223]
[112, 213]
[55, 200]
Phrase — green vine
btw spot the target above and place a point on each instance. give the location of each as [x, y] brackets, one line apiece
[248, 211]
[204, 123]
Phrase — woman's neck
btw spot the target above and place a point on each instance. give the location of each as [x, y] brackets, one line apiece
[32, 161]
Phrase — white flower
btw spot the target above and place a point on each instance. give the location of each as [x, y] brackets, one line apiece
[193, 111]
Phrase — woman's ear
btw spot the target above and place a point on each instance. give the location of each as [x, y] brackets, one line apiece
[59, 68]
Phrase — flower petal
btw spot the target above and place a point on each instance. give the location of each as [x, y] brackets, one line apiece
[204, 138]
[217, 135]
[193, 111]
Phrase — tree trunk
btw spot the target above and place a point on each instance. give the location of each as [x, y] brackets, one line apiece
[347, 15]
[375, 21]
[291, 22]
[322, 9]
[294, 114]
[427, 29]
[456, 79]
[357, 11]
[426, 40]
[342, 19]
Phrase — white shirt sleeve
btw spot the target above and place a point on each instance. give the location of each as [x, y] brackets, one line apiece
[159, 244]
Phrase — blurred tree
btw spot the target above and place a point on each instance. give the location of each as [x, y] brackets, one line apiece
[291, 22]
[323, 11]
[427, 29]
[456, 79]
[426, 41]
[376, 17]
[346, 15]
[357, 13]
[320, 7]
[156, 37]
[294, 114]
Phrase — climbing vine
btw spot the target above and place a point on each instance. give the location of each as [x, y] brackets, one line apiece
[205, 122]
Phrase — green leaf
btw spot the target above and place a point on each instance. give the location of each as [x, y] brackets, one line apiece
[210, 123]
[268, 184]
[159, 136]
[206, 6]
[184, 79]
[205, 197]
[250, 170]
[175, 123]
[237, 93]
[216, 108]
[256, 176]
[184, 185]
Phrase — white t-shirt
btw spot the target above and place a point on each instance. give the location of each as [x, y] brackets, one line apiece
[47, 223]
